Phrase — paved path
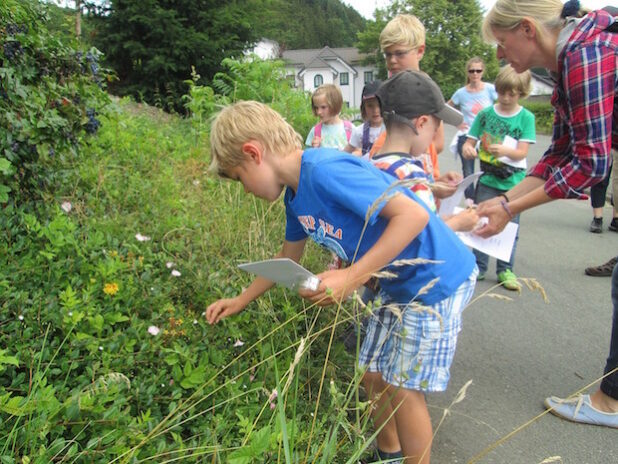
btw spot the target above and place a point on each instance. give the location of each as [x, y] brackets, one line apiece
[518, 352]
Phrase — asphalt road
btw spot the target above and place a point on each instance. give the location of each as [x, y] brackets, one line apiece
[518, 352]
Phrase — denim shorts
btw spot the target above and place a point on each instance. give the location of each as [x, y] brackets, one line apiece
[413, 347]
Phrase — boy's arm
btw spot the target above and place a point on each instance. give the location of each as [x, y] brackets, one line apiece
[228, 306]
[406, 219]
[468, 150]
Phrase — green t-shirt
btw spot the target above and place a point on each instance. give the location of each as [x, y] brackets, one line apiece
[491, 127]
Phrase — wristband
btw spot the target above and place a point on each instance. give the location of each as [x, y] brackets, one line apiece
[506, 208]
[503, 195]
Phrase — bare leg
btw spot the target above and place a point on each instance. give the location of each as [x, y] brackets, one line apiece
[604, 403]
[376, 388]
[413, 424]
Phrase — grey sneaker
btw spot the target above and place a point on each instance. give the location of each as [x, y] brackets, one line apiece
[596, 226]
[613, 226]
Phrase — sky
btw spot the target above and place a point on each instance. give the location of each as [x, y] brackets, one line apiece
[367, 7]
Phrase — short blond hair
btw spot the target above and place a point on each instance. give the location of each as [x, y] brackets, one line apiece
[236, 124]
[333, 96]
[508, 14]
[403, 29]
[509, 80]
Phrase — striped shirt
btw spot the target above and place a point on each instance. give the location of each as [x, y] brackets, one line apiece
[586, 111]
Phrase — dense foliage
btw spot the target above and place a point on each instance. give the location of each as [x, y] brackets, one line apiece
[50, 95]
[300, 24]
[452, 38]
[152, 44]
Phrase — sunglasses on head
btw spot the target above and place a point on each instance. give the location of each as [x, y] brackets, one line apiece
[476, 71]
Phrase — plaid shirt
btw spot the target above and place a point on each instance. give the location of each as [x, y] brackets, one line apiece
[586, 112]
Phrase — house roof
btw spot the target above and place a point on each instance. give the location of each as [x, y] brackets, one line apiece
[307, 57]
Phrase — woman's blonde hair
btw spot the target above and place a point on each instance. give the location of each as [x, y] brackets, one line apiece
[509, 80]
[333, 96]
[241, 122]
[508, 14]
[474, 59]
[403, 29]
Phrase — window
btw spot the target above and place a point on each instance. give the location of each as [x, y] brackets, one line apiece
[318, 80]
[368, 76]
[344, 79]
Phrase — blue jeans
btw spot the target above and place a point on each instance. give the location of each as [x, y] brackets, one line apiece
[467, 165]
[609, 385]
[484, 192]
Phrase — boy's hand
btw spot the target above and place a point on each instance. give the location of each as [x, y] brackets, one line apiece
[442, 189]
[335, 286]
[468, 151]
[315, 143]
[451, 177]
[464, 221]
[223, 308]
[497, 150]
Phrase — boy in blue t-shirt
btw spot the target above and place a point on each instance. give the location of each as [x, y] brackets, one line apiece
[329, 196]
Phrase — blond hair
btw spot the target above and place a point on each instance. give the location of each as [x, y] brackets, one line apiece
[241, 122]
[474, 59]
[333, 97]
[546, 15]
[403, 29]
[509, 80]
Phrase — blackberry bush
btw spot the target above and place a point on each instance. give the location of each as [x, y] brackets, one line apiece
[50, 95]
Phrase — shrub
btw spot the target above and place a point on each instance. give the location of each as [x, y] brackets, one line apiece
[543, 114]
[50, 96]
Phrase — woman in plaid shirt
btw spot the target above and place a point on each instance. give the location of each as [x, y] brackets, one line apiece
[580, 51]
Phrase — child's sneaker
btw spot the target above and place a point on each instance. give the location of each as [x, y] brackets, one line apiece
[480, 277]
[596, 226]
[509, 280]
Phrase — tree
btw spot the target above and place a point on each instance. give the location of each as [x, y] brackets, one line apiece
[152, 44]
[307, 23]
[453, 37]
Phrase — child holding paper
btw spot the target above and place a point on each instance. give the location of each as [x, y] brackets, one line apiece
[345, 204]
[505, 131]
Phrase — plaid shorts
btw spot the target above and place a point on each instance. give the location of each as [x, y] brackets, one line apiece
[412, 347]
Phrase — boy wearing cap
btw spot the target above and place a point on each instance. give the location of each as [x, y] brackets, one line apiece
[348, 206]
[364, 135]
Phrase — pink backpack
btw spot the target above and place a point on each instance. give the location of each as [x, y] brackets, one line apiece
[347, 125]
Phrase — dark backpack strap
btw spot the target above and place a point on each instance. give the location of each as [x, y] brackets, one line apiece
[366, 144]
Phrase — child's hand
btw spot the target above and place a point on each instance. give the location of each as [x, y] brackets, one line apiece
[450, 177]
[335, 286]
[464, 221]
[315, 143]
[442, 189]
[497, 150]
[468, 151]
[223, 308]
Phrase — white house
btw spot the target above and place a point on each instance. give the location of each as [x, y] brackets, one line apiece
[340, 66]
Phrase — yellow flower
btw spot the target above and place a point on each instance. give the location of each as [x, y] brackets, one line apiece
[110, 289]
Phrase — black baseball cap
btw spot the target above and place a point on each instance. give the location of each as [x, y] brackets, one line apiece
[411, 94]
[370, 89]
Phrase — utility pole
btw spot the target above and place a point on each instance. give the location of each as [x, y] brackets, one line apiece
[78, 19]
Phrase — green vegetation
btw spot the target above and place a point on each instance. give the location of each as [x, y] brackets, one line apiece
[543, 114]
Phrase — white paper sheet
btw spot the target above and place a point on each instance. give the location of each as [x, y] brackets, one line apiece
[283, 271]
[510, 142]
[448, 204]
[499, 246]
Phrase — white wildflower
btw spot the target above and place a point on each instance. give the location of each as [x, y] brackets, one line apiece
[238, 342]
[141, 238]
[169, 264]
[153, 330]
[66, 206]
[176, 273]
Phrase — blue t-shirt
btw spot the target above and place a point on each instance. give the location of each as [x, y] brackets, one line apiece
[335, 192]
[471, 103]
